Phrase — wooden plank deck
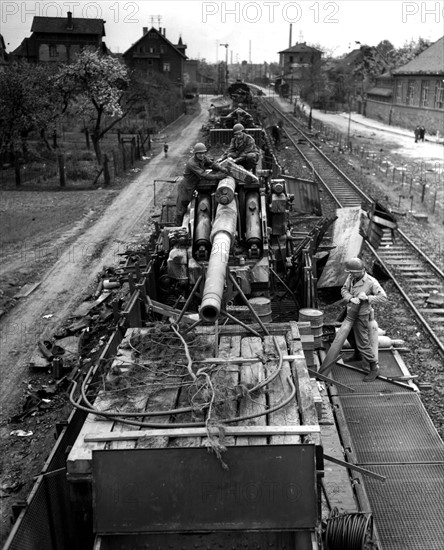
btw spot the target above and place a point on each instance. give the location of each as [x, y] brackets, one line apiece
[295, 423]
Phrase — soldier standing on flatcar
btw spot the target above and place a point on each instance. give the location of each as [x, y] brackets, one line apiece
[243, 149]
[195, 170]
[360, 287]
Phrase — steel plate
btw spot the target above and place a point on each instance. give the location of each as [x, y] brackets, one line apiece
[391, 429]
[409, 507]
[187, 489]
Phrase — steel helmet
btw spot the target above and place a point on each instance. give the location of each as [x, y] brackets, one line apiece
[199, 148]
[238, 128]
[354, 265]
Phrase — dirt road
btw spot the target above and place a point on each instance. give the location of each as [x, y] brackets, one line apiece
[96, 245]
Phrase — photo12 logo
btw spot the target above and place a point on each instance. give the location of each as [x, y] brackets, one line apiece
[270, 12]
[118, 12]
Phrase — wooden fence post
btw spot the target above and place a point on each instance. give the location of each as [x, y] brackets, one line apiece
[133, 151]
[148, 135]
[123, 156]
[140, 141]
[106, 174]
[61, 162]
[18, 179]
[115, 163]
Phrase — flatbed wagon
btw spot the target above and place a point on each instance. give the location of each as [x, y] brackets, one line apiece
[229, 449]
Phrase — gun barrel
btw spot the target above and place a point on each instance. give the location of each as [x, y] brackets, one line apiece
[222, 235]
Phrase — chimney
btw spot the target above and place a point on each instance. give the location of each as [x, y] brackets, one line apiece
[69, 24]
[160, 30]
[164, 31]
[145, 30]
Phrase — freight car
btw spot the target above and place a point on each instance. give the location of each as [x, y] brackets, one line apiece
[205, 432]
[219, 445]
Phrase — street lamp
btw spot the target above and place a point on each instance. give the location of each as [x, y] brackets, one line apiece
[226, 64]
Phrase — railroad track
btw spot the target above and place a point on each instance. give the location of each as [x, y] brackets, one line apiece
[416, 276]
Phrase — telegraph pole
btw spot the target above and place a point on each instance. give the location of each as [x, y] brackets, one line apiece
[226, 64]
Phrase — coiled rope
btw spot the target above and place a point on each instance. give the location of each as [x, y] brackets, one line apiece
[348, 531]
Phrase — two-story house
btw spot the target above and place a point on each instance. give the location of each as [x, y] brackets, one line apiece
[59, 39]
[296, 62]
[153, 53]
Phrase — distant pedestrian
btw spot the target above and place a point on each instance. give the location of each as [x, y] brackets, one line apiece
[212, 112]
[417, 134]
[422, 133]
[276, 135]
[165, 149]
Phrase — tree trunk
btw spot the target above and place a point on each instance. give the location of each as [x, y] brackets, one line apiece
[97, 149]
[16, 159]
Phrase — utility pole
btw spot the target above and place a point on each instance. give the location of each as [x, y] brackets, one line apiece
[226, 64]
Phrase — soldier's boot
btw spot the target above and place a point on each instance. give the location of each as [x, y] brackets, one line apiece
[374, 371]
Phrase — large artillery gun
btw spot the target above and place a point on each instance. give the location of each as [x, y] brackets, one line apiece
[238, 241]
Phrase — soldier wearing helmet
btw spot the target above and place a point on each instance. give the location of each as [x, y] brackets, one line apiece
[195, 169]
[361, 288]
[243, 149]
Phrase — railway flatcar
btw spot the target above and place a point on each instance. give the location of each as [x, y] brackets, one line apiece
[199, 426]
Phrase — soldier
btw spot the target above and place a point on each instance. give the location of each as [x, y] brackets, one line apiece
[195, 169]
[360, 287]
[243, 149]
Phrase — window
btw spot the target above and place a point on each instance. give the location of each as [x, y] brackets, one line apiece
[151, 50]
[410, 92]
[53, 50]
[162, 49]
[398, 92]
[166, 68]
[153, 35]
[439, 94]
[424, 93]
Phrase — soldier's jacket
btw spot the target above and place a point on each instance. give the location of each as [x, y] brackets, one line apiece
[370, 286]
[196, 169]
[241, 146]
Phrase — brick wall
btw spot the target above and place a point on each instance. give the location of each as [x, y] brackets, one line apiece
[408, 116]
[377, 110]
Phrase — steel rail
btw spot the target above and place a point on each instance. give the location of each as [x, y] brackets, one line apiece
[315, 148]
[411, 252]
[414, 309]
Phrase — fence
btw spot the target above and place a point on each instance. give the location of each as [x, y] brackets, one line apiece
[415, 181]
[121, 150]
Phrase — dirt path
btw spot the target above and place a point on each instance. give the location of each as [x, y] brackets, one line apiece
[63, 285]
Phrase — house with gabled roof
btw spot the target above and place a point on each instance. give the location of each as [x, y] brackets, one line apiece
[294, 63]
[60, 39]
[153, 53]
[417, 93]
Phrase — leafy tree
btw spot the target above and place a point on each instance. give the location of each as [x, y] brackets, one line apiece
[96, 86]
[28, 102]
[408, 51]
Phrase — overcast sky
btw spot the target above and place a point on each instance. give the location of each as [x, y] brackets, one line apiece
[254, 31]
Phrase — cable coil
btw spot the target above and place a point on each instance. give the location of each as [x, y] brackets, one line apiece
[348, 531]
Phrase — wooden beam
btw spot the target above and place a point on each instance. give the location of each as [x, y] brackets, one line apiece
[246, 431]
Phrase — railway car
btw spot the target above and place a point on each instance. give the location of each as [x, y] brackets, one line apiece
[203, 429]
